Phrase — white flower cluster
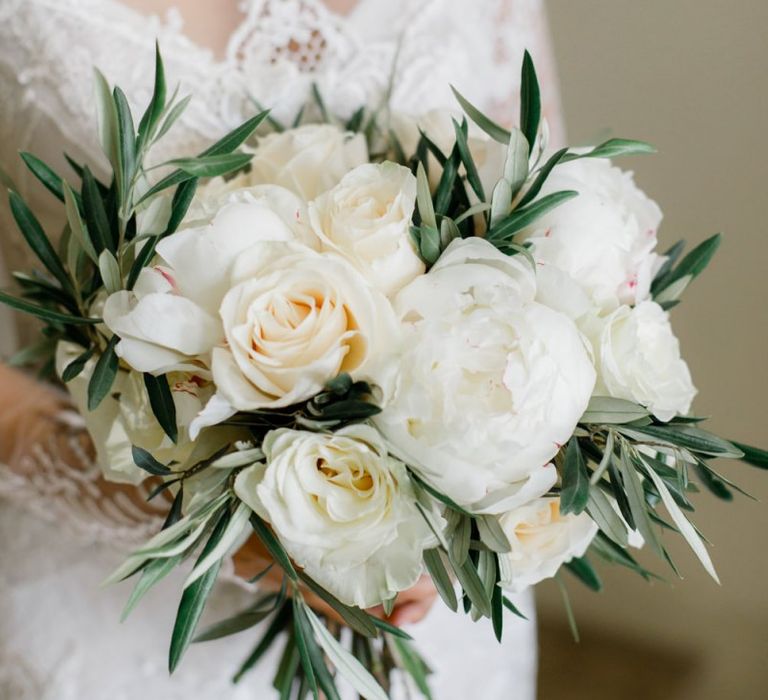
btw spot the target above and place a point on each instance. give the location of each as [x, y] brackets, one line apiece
[303, 268]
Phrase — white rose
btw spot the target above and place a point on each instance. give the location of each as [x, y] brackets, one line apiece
[492, 383]
[307, 160]
[343, 509]
[293, 319]
[125, 418]
[638, 359]
[170, 318]
[596, 251]
[541, 541]
[367, 219]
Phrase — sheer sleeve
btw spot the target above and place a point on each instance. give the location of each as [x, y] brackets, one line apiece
[47, 465]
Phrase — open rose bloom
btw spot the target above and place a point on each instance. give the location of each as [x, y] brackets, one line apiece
[388, 348]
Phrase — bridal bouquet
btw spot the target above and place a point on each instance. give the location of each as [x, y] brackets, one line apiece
[386, 346]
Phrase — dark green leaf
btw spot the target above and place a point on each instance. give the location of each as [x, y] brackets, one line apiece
[713, 484]
[50, 180]
[74, 368]
[149, 120]
[671, 256]
[242, 621]
[446, 183]
[568, 609]
[355, 618]
[95, 215]
[104, 374]
[161, 401]
[469, 162]
[304, 638]
[490, 127]
[525, 216]
[583, 570]
[278, 624]
[44, 313]
[144, 460]
[194, 598]
[541, 177]
[212, 166]
[227, 144]
[753, 455]
[37, 240]
[173, 115]
[509, 605]
[530, 101]
[414, 665]
[574, 494]
[274, 547]
[384, 626]
[175, 512]
[497, 607]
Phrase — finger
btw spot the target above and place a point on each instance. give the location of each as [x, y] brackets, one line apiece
[410, 613]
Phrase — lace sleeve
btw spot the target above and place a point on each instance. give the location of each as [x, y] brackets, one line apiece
[47, 465]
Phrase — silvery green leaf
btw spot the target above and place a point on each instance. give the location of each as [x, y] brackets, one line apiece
[429, 244]
[241, 458]
[263, 607]
[541, 177]
[501, 201]
[490, 127]
[673, 291]
[606, 409]
[229, 538]
[354, 617]
[474, 209]
[75, 222]
[606, 460]
[473, 586]
[613, 148]
[104, 374]
[685, 528]
[433, 522]
[440, 577]
[525, 216]
[346, 664]
[605, 516]
[173, 548]
[636, 498]
[491, 533]
[448, 232]
[212, 166]
[152, 574]
[110, 272]
[685, 436]
[459, 541]
[172, 115]
[516, 161]
[511, 248]
[424, 198]
[107, 119]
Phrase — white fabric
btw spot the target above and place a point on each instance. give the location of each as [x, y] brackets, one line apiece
[59, 633]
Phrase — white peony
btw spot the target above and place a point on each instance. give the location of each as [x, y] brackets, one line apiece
[367, 219]
[292, 320]
[541, 541]
[492, 382]
[343, 509]
[596, 251]
[170, 318]
[125, 418]
[638, 359]
[307, 160]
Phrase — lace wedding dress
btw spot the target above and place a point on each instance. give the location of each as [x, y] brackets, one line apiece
[61, 531]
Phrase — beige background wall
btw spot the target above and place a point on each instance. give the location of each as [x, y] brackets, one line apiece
[689, 76]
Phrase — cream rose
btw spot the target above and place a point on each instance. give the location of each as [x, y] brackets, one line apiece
[125, 418]
[307, 160]
[367, 219]
[638, 359]
[170, 318]
[492, 383]
[343, 509]
[596, 251]
[541, 541]
[293, 319]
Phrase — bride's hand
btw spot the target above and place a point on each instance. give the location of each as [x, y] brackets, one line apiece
[411, 605]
